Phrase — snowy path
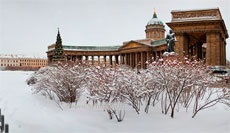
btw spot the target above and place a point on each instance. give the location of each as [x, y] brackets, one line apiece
[29, 113]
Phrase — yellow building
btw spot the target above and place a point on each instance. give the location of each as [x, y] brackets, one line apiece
[9, 61]
[16, 62]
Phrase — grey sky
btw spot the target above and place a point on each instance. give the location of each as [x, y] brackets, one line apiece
[29, 26]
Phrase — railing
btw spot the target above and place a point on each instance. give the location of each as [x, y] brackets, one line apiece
[4, 128]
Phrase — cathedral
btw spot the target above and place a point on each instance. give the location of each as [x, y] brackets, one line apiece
[199, 33]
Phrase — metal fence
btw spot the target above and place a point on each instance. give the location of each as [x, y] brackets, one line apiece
[4, 128]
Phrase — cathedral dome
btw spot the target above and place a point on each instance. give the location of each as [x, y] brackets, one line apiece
[155, 20]
[155, 28]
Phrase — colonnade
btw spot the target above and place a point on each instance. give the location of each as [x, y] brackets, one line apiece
[132, 59]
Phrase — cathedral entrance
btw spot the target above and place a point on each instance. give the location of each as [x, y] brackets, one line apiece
[201, 34]
[196, 43]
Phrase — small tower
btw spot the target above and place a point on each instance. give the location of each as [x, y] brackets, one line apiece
[155, 28]
[58, 51]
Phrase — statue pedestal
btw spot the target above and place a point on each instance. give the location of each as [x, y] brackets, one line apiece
[170, 56]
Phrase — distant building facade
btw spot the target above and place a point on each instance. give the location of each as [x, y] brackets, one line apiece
[199, 33]
[14, 62]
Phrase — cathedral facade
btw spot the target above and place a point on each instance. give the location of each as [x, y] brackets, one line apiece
[199, 33]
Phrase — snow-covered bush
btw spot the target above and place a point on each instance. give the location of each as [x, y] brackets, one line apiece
[62, 81]
[102, 87]
[172, 82]
[182, 82]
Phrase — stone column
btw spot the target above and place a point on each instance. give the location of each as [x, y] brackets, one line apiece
[221, 53]
[147, 55]
[155, 55]
[138, 59]
[145, 59]
[121, 59]
[125, 61]
[105, 60]
[160, 54]
[213, 48]
[142, 60]
[133, 60]
[181, 45]
[92, 60]
[111, 61]
[218, 50]
[98, 60]
[208, 49]
[191, 51]
[74, 58]
[130, 60]
[116, 59]
[224, 52]
[199, 50]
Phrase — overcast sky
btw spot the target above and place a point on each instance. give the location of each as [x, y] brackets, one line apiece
[29, 26]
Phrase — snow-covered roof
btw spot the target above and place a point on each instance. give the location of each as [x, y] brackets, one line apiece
[91, 48]
[196, 15]
[13, 56]
[215, 8]
[144, 41]
[155, 20]
[159, 42]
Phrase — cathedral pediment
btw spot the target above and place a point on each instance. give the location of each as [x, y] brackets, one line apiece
[133, 44]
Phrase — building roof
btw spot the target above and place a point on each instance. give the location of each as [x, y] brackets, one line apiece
[19, 56]
[155, 20]
[158, 42]
[91, 48]
[202, 9]
[148, 42]
[196, 15]
[143, 41]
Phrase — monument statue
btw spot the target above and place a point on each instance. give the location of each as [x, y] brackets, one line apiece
[170, 39]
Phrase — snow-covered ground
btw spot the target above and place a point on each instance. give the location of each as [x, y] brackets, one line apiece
[33, 113]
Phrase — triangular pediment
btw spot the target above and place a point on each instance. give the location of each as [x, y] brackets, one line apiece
[133, 44]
